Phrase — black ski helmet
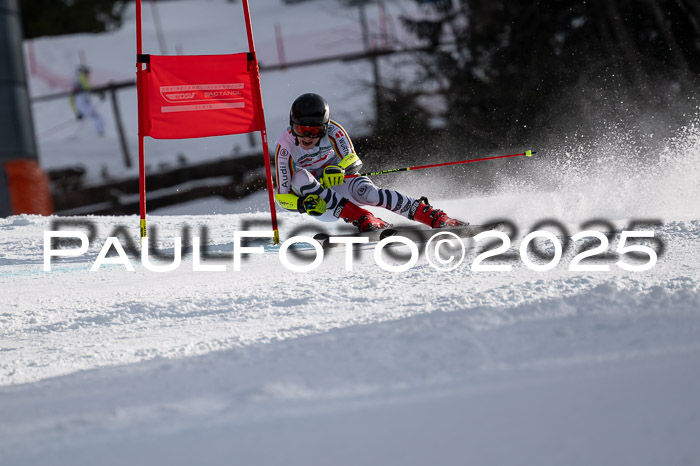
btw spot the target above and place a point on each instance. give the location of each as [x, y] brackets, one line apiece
[310, 110]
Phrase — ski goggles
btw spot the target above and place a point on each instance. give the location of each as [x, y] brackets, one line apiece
[308, 131]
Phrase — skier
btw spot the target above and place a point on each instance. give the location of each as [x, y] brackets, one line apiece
[80, 99]
[312, 157]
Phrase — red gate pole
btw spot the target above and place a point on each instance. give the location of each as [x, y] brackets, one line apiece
[142, 155]
[259, 114]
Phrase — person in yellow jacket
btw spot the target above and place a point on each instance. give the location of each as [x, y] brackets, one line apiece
[311, 159]
[80, 99]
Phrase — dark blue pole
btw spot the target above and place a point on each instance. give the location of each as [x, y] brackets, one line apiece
[17, 141]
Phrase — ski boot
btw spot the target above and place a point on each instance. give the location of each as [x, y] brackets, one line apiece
[423, 212]
[363, 219]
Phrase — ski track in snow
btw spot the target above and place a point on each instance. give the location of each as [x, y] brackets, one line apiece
[174, 355]
[89, 319]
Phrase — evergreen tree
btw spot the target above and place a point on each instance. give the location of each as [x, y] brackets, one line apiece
[56, 17]
[503, 67]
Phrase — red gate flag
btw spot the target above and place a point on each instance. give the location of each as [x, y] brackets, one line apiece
[197, 96]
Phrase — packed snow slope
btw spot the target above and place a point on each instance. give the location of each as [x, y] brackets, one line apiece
[270, 366]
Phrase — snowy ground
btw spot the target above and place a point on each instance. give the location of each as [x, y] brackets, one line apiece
[269, 366]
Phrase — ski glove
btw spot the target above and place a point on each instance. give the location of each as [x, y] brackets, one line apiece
[333, 175]
[351, 163]
[313, 205]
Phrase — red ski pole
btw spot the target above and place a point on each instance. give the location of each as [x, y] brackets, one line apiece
[527, 153]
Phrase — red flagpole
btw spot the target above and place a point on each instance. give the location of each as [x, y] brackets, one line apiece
[142, 148]
[257, 92]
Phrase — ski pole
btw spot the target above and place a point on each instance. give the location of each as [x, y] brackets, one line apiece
[527, 153]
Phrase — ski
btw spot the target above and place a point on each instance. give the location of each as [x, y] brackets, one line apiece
[421, 234]
[374, 237]
[417, 234]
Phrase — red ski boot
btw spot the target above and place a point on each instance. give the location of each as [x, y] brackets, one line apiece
[363, 219]
[424, 213]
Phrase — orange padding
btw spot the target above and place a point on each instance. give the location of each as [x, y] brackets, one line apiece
[30, 191]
